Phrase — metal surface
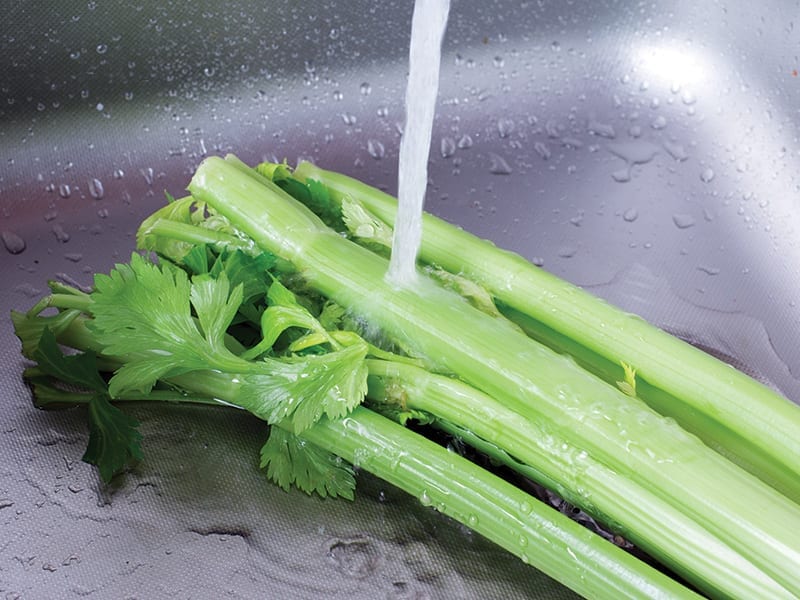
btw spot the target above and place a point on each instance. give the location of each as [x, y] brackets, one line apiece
[646, 151]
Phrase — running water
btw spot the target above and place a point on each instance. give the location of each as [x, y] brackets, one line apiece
[427, 30]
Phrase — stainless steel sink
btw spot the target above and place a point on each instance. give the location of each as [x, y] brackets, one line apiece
[646, 151]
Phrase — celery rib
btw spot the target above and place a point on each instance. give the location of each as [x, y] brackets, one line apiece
[621, 432]
[742, 418]
[697, 555]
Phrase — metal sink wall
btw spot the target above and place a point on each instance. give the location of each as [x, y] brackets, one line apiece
[646, 151]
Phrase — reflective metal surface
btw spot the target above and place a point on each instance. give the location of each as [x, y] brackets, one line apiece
[646, 151]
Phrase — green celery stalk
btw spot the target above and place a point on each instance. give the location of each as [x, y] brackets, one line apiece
[561, 548]
[732, 412]
[537, 534]
[618, 431]
[697, 555]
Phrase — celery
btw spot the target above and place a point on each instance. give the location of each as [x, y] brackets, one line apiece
[731, 412]
[255, 301]
[592, 417]
[446, 481]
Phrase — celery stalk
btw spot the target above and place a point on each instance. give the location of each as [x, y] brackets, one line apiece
[540, 536]
[732, 412]
[697, 555]
[618, 431]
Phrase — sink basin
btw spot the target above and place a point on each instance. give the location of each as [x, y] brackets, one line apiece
[648, 153]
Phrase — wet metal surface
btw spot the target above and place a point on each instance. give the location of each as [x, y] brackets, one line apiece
[646, 151]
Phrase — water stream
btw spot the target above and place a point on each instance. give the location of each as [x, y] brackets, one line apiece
[427, 29]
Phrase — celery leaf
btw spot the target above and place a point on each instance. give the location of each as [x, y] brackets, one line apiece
[290, 459]
[303, 388]
[142, 311]
[114, 440]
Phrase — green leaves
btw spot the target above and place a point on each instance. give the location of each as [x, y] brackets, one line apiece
[312, 193]
[78, 369]
[153, 322]
[142, 313]
[114, 440]
[290, 459]
[161, 324]
[300, 389]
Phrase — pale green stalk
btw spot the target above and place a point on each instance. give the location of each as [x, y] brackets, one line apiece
[617, 431]
[732, 412]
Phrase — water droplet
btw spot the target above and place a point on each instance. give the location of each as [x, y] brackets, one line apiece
[708, 270]
[688, 98]
[464, 142]
[50, 215]
[622, 175]
[676, 151]
[472, 521]
[128, 96]
[99, 107]
[637, 152]
[630, 215]
[75, 54]
[96, 188]
[355, 557]
[376, 149]
[425, 498]
[447, 147]
[635, 131]
[40, 107]
[118, 174]
[13, 242]
[522, 541]
[101, 48]
[74, 257]
[601, 129]
[61, 235]
[707, 175]
[542, 150]
[365, 89]
[498, 165]
[659, 122]
[337, 95]
[505, 127]
[349, 119]
[103, 213]
[499, 62]
[64, 190]
[148, 174]
[683, 220]
[567, 251]
[383, 112]
[209, 71]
